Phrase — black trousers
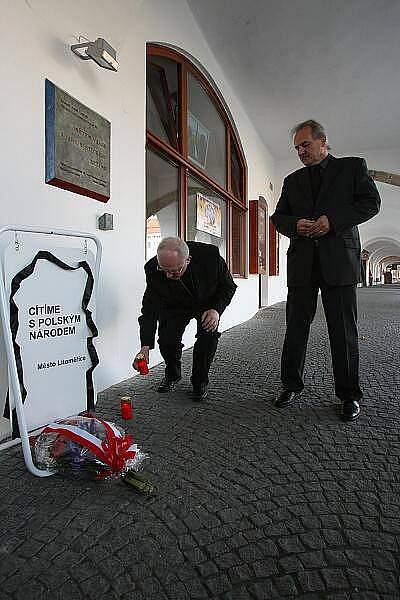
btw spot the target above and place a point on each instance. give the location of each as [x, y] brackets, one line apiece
[170, 330]
[340, 307]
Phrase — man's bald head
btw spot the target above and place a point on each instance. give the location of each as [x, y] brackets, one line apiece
[173, 257]
[174, 244]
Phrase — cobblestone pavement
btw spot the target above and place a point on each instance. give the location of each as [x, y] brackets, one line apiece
[252, 502]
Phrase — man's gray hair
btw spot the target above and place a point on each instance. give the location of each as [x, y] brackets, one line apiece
[174, 244]
[317, 130]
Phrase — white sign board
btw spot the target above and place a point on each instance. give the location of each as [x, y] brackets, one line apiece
[52, 322]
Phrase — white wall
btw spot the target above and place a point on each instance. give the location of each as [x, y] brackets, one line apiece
[45, 29]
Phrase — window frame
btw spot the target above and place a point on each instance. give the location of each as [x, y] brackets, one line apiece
[180, 157]
[258, 207]
[273, 250]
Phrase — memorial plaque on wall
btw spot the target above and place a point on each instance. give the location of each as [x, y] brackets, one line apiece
[77, 146]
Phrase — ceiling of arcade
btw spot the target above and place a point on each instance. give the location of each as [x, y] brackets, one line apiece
[331, 61]
[383, 250]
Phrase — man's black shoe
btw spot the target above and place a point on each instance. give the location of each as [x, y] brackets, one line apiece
[350, 410]
[200, 392]
[167, 385]
[285, 398]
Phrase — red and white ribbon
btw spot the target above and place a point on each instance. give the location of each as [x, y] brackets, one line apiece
[114, 451]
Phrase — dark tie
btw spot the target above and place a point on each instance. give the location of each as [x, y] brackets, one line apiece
[315, 175]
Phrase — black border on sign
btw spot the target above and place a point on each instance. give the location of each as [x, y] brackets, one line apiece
[14, 324]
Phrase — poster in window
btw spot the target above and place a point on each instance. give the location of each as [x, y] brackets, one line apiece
[198, 141]
[209, 218]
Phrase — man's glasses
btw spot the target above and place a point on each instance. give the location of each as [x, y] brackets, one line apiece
[172, 271]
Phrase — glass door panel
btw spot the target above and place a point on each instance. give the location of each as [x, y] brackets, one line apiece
[162, 99]
[206, 131]
[162, 198]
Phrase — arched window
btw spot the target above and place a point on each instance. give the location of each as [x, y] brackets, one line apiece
[195, 170]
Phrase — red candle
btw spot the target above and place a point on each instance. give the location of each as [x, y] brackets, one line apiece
[126, 407]
[142, 366]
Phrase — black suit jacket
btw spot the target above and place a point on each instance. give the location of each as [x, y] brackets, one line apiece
[348, 197]
[212, 282]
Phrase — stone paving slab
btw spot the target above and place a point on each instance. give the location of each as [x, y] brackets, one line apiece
[252, 502]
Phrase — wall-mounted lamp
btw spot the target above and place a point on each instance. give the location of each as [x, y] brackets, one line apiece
[100, 51]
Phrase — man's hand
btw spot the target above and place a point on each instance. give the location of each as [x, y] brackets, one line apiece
[305, 227]
[313, 229]
[210, 320]
[144, 350]
[320, 227]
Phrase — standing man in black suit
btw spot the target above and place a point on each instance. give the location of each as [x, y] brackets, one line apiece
[184, 281]
[319, 210]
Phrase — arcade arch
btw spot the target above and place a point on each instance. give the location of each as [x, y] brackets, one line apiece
[379, 253]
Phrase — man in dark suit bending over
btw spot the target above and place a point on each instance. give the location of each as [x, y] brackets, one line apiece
[319, 210]
[184, 281]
